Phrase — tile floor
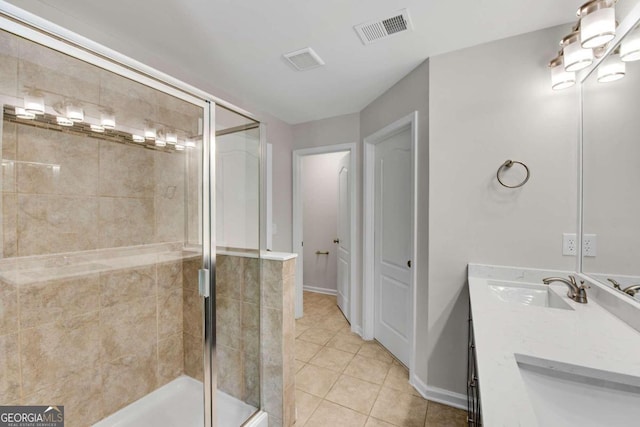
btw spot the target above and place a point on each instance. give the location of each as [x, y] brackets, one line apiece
[343, 381]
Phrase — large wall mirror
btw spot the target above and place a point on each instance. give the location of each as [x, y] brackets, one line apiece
[611, 168]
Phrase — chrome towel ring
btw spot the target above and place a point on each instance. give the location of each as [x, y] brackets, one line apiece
[507, 165]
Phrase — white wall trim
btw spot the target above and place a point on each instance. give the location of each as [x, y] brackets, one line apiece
[439, 395]
[368, 208]
[297, 218]
[318, 290]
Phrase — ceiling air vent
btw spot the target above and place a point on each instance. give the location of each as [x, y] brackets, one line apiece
[383, 28]
[304, 59]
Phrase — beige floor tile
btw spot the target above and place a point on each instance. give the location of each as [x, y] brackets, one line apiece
[331, 358]
[398, 379]
[299, 365]
[400, 409]
[353, 393]
[346, 342]
[304, 350]
[300, 328]
[317, 335]
[316, 380]
[373, 350]
[305, 405]
[445, 416]
[371, 370]
[331, 415]
[373, 422]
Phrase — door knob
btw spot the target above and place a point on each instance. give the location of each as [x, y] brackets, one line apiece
[336, 240]
[409, 263]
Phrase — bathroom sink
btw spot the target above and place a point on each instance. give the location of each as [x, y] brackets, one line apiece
[563, 394]
[527, 294]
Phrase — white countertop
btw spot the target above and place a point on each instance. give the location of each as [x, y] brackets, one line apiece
[587, 336]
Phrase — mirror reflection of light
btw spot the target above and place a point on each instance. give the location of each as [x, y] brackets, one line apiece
[630, 47]
[611, 69]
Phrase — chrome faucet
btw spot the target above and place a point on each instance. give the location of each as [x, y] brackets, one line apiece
[629, 290]
[576, 293]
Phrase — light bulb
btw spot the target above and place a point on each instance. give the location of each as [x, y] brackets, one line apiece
[160, 143]
[611, 69]
[97, 128]
[138, 138]
[21, 113]
[630, 47]
[575, 57]
[34, 104]
[560, 78]
[63, 121]
[150, 133]
[597, 23]
[107, 120]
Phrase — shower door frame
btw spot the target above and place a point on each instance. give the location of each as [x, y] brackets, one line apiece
[41, 31]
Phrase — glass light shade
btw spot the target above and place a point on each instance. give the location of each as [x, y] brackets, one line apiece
[611, 69]
[575, 57]
[560, 78]
[150, 133]
[75, 113]
[97, 128]
[160, 143]
[598, 28]
[63, 121]
[21, 113]
[172, 138]
[630, 47]
[138, 138]
[34, 104]
[190, 143]
[179, 147]
[107, 120]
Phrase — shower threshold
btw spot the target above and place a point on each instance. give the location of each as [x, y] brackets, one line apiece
[179, 403]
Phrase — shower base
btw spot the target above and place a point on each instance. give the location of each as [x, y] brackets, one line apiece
[180, 403]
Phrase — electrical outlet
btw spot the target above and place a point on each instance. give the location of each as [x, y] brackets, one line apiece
[569, 244]
[589, 245]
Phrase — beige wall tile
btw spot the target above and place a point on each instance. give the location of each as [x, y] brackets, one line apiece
[251, 375]
[170, 313]
[169, 196]
[8, 308]
[9, 369]
[125, 221]
[192, 313]
[53, 224]
[123, 286]
[128, 328]
[272, 284]
[126, 171]
[193, 365]
[229, 276]
[229, 321]
[230, 377]
[45, 302]
[330, 415]
[10, 225]
[272, 391]
[271, 340]
[132, 102]
[169, 275]
[170, 358]
[8, 64]
[77, 158]
[289, 411]
[128, 378]
[251, 290]
[400, 409]
[251, 329]
[51, 352]
[190, 268]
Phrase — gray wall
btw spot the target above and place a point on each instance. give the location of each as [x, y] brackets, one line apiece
[490, 103]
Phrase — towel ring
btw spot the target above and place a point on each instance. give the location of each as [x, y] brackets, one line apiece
[507, 165]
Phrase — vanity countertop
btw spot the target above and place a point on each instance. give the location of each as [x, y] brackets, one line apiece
[588, 336]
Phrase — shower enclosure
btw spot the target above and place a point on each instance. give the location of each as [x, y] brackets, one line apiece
[129, 242]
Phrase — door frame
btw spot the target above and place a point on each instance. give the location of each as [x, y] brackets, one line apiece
[297, 157]
[368, 291]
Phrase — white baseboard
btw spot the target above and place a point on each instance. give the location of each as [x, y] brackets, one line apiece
[439, 395]
[317, 290]
[356, 329]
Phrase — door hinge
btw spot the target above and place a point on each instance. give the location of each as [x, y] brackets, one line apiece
[203, 282]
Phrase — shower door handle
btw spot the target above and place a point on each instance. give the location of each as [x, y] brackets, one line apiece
[203, 282]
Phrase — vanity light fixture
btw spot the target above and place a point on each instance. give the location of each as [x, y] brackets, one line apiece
[611, 69]
[108, 119]
[63, 121]
[34, 103]
[74, 113]
[97, 128]
[160, 143]
[561, 78]
[190, 143]
[172, 138]
[21, 113]
[138, 138]
[597, 23]
[179, 147]
[630, 47]
[575, 57]
[150, 133]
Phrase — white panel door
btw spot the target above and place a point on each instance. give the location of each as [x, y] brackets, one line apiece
[344, 237]
[393, 241]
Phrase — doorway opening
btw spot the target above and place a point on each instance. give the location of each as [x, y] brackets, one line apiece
[324, 223]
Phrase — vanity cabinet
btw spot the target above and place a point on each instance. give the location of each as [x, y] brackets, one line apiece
[474, 416]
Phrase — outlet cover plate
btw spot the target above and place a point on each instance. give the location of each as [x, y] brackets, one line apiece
[569, 245]
[589, 245]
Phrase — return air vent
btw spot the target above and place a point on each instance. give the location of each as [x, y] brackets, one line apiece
[383, 28]
[304, 59]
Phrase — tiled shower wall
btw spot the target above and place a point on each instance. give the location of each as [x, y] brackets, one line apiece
[64, 192]
[93, 343]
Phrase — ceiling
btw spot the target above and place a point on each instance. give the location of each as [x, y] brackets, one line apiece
[233, 48]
